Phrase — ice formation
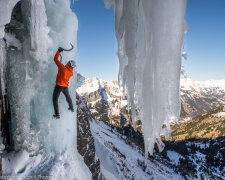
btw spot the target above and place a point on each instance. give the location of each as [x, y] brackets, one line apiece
[30, 33]
[150, 38]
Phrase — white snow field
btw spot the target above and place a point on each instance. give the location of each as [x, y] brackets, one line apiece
[46, 146]
[120, 160]
[67, 165]
[150, 37]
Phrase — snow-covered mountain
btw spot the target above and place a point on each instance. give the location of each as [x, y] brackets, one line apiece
[104, 99]
[107, 103]
[198, 97]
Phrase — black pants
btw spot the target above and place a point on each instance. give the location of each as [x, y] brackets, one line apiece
[58, 89]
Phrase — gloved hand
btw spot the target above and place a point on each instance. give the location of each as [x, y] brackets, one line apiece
[60, 49]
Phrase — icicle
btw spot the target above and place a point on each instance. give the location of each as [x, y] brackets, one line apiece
[5, 16]
[39, 30]
[2, 72]
[150, 37]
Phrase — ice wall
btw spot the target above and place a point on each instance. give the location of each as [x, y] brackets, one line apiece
[150, 37]
[5, 12]
[63, 24]
[36, 30]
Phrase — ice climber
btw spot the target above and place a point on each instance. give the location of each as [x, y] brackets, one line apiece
[62, 82]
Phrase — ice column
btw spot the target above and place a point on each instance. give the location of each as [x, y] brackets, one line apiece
[150, 37]
[63, 26]
[5, 14]
[36, 30]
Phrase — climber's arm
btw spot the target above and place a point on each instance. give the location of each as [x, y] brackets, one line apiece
[56, 59]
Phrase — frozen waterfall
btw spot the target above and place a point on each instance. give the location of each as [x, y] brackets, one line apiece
[30, 34]
[150, 36]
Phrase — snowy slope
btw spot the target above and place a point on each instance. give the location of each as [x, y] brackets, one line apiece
[68, 165]
[122, 157]
[122, 161]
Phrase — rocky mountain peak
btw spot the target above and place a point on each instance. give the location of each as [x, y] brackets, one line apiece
[106, 101]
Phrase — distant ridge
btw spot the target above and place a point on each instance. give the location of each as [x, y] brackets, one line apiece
[106, 103]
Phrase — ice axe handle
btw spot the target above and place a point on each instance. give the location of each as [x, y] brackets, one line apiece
[69, 49]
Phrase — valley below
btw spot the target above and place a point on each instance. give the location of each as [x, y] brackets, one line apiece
[194, 151]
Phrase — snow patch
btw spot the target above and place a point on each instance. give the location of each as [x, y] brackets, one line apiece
[121, 161]
[174, 156]
[220, 115]
[67, 165]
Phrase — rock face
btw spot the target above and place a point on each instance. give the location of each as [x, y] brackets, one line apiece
[104, 99]
[85, 140]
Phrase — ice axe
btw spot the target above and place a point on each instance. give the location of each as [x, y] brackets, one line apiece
[66, 50]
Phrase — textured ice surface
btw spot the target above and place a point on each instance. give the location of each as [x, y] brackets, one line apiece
[3, 71]
[46, 166]
[150, 37]
[6, 8]
[45, 146]
[36, 30]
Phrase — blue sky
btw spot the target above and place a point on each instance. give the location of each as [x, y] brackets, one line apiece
[204, 41]
[96, 43]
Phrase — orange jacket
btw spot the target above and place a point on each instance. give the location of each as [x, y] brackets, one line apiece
[64, 72]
